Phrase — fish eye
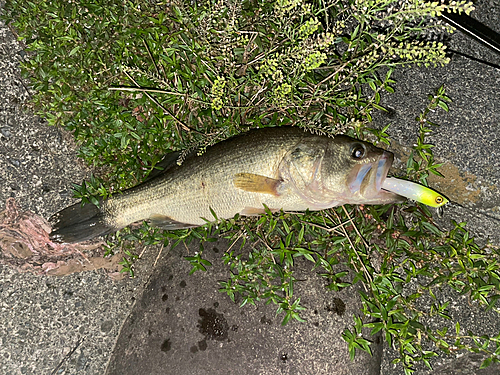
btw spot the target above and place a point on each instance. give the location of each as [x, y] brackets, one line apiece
[439, 199]
[358, 151]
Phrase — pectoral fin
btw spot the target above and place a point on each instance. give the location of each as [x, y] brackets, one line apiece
[257, 184]
[167, 223]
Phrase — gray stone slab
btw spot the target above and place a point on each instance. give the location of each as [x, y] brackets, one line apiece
[183, 325]
[44, 318]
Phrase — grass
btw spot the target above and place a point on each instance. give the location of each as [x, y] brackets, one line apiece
[135, 80]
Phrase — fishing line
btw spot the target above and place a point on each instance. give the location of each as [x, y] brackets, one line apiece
[479, 213]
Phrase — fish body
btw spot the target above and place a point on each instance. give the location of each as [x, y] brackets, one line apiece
[281, 168]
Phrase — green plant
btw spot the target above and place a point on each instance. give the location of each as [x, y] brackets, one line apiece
[134, 81]
[417, 258]
[91, 191]
[419, 169]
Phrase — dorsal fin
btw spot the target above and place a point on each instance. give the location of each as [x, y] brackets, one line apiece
[164, 165]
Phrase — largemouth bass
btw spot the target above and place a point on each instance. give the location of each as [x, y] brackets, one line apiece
[282, 168]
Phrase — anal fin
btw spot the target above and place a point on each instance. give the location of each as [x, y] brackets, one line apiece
[257, 184]
[253, 211]
[167, 223]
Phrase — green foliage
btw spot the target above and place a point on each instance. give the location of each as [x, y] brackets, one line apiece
[420, 167]
[128, 262]
[134, 80]
[76, 50]
[125, 241]
[355, 339]
[91, 191]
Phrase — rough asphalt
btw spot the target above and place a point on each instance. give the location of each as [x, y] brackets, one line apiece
[167, 322]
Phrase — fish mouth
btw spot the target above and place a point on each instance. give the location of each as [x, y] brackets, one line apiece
[384, 164]
[366, 180]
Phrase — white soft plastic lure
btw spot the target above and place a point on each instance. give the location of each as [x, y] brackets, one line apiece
[412, 190]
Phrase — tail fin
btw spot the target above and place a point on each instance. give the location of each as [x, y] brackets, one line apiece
[76, 224]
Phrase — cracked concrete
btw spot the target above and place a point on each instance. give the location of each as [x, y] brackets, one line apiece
[70, 325]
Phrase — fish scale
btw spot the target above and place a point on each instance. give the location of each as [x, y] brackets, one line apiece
[187, 192]
[282, 168]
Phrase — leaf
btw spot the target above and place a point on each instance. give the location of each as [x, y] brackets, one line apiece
[443, 105]
[74, 50]
[355, 32]
[486, 363]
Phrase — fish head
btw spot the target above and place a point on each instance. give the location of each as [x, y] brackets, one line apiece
[328, 172]
[353, 172]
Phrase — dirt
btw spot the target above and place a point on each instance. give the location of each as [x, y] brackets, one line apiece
[26, 246]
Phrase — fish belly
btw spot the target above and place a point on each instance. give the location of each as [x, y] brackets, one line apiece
[187, 193]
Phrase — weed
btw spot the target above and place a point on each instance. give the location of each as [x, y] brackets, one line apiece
[134, 80]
